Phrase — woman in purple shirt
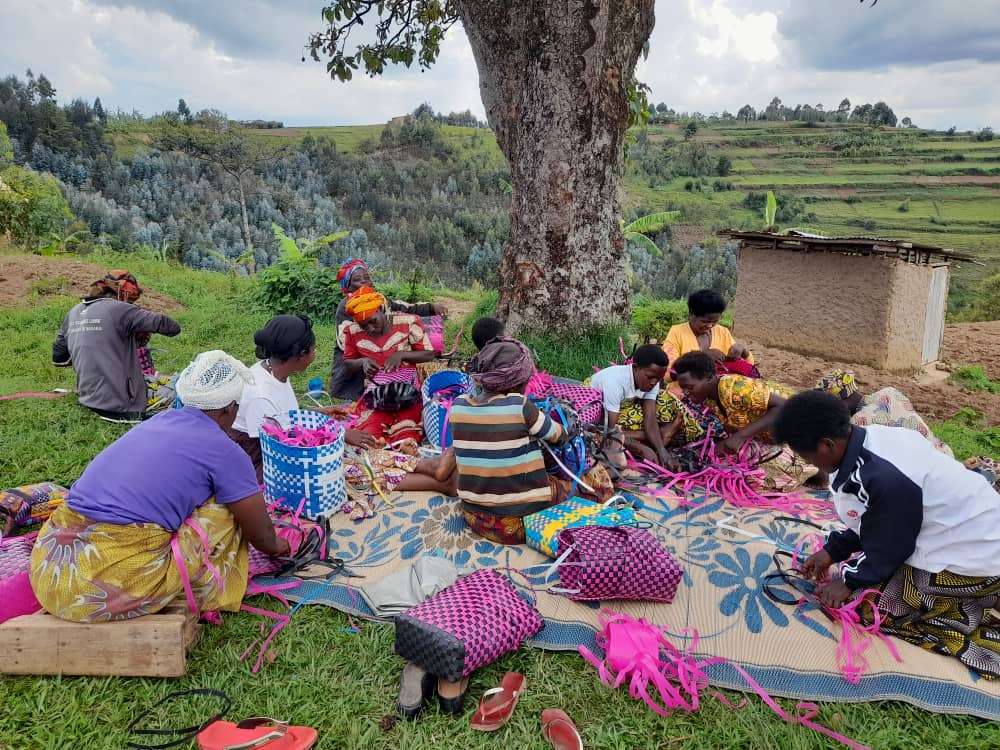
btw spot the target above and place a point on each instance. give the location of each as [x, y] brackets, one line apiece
[164, 511]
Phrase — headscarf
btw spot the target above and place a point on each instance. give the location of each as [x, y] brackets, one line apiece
[364, 303]
[119, 282]
[840, 383]
[503, 365]
[347, 270]
[284, 337]
[213, 380]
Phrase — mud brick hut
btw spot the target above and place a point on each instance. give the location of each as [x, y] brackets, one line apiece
[861, 300]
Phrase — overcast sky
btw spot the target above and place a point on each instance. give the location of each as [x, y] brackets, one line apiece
[929, 62]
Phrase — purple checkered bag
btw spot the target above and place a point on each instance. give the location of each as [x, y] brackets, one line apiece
[468, 625]
[621, 562]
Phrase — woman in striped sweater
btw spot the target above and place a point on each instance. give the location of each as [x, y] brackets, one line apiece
[501, 469]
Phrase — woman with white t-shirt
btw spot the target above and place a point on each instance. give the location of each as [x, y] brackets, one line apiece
[285, 346]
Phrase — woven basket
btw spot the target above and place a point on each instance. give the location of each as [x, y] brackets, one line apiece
[316, 475]
[437, 405]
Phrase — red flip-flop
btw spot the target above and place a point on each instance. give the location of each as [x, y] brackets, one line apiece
[497, 704]
[560, 730]
[259, 733]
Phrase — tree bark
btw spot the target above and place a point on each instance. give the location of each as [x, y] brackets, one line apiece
[553, 77]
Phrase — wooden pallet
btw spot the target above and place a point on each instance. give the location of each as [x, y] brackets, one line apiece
[150, 646]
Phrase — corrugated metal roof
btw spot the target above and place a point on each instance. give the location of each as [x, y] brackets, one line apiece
[799, 240]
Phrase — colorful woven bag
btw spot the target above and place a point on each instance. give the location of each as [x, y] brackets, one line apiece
[616, 563]
[31, 503]
[16, 596]
[468, 625]
[542, 529]
[439, 392]
[313, 474]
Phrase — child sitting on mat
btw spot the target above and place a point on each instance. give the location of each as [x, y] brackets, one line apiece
[501, 469]
[921, 528]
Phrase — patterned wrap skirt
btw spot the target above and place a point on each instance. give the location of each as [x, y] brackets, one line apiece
[946, 613]
[668, 406]
[88, 571]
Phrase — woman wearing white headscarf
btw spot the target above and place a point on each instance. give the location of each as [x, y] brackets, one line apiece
[165, 510]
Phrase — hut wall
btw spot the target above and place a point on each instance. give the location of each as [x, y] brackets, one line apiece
[823, 304]
[911, 291]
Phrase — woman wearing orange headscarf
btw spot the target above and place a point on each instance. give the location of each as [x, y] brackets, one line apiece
[381, 341]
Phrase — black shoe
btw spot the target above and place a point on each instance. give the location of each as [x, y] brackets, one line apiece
[415, 689]
[452, 706]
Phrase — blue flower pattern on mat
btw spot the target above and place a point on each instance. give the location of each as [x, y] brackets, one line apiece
[743, 577]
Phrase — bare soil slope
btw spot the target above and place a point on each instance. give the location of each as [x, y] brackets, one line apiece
[27, 277]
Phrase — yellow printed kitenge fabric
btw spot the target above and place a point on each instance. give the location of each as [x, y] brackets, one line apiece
[87, 571]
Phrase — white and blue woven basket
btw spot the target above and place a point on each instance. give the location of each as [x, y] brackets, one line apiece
[435, 413]
[315, 474]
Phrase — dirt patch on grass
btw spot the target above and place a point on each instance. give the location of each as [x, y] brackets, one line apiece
[24, 279]
[932, 395]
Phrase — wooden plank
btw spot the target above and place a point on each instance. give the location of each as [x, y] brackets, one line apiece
[150, 646]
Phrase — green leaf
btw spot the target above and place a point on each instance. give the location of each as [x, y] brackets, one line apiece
[644, 242]
[653, 223]
[289, 250]
[771, 209]
[320, 243]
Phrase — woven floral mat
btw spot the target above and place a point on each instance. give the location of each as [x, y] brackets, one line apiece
[790, 651]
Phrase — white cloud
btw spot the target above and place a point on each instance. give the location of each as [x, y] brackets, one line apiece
[751, 37]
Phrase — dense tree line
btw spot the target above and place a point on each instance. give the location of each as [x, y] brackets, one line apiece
[879, 113]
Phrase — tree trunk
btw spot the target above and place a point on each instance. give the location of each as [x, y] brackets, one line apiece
[553, 79]
[247, 243]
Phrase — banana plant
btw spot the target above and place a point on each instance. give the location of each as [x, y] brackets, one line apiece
[292, 249]
[639, 231]
[770, 209]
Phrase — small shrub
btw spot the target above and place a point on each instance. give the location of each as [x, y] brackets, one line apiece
[689, 185]
[953, 158]
[968, 436]
[651, 319]
[298, 287]
[904, 207]
[986, 134]
[852, 199]
[724, 166]
[974, 378]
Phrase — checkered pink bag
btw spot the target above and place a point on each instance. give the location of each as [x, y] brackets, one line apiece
[16, 596]
[406, 375]
[468, 625]
[587, 402]
[616, 563]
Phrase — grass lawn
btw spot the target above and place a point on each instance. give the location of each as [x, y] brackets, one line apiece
[341, 682]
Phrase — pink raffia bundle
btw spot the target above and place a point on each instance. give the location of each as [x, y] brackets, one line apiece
[734, 478]
[669, 679]
[304, 437]
[856, 636]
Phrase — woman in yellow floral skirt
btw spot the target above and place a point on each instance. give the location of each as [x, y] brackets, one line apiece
[747, 408]
[165, 511]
